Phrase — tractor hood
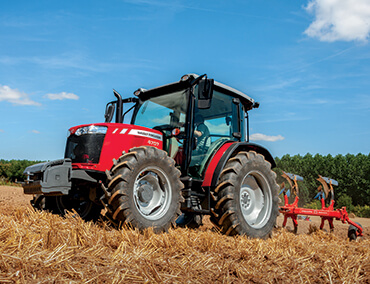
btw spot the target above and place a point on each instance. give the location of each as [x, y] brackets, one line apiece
[94, 146]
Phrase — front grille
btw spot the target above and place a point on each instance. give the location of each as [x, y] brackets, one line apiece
[85, 148]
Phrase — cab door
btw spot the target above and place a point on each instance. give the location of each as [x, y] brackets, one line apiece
[213, 127]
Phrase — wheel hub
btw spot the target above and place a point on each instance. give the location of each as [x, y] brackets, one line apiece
[152, 193]
[145, 192]
[255, 199]
[245, 200]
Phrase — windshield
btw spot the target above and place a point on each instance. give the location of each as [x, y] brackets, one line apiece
[168, 110]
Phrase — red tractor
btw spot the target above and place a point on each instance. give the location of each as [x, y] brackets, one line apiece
[185, 154]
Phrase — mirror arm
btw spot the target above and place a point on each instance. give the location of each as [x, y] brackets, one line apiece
[196, 80]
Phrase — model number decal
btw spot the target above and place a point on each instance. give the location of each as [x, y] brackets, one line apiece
[153, 143]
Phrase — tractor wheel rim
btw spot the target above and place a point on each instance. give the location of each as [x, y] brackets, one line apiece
[255, 199]
[152, 193]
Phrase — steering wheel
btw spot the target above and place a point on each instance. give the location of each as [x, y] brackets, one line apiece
[205, 148]
[166, 129]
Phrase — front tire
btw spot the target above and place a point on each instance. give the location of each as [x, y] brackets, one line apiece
[145, 189]
[247, 200]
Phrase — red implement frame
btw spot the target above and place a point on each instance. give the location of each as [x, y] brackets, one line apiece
[326, 213]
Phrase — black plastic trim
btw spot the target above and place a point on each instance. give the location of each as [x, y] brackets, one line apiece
[166, 89]
[83, 175]
[189, 130]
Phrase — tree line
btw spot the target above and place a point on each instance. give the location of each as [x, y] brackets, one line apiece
[12, 171]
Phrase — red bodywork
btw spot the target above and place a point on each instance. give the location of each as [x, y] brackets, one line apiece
[118, 138]
[326, 213]
[123, 137]
[213, 164]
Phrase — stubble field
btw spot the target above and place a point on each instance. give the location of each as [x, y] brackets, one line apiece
[38, 247]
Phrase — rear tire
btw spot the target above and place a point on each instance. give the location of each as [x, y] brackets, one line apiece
[247, 197]
[145, 189]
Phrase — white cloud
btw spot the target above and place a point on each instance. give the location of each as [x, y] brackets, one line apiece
[1, 130]
[264, 137]
[62, 96]
[15, 97]
[339, 20]
[35, 131]
[161, 120]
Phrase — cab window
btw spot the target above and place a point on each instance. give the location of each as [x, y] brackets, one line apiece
[213, 127]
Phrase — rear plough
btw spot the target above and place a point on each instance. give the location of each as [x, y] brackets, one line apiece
[291, 210]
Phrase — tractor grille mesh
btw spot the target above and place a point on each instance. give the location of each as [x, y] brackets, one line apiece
[84, 148]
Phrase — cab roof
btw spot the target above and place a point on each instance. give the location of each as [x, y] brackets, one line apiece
[185, 83]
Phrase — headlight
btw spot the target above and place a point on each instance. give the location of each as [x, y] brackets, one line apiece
[92, 129]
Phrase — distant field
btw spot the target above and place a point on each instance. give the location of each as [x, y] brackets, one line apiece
[38, 247]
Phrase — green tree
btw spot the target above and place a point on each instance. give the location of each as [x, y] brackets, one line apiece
[12, 171]
[345, 201]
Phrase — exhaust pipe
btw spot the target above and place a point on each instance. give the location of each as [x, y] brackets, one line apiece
[119, 111]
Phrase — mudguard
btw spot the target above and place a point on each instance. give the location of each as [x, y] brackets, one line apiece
[220, 158]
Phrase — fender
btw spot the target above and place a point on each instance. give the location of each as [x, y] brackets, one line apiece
[227, 151]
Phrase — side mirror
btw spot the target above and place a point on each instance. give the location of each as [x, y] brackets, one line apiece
[109, 112]
[205, 92]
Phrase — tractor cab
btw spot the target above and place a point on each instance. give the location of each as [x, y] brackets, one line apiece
[196, 116]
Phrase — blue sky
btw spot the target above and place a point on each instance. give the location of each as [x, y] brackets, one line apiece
[306, 62]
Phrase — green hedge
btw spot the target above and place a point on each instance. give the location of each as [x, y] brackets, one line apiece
[362, 211]
[12, 171]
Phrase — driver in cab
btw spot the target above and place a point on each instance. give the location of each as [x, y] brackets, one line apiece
[202, 133]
